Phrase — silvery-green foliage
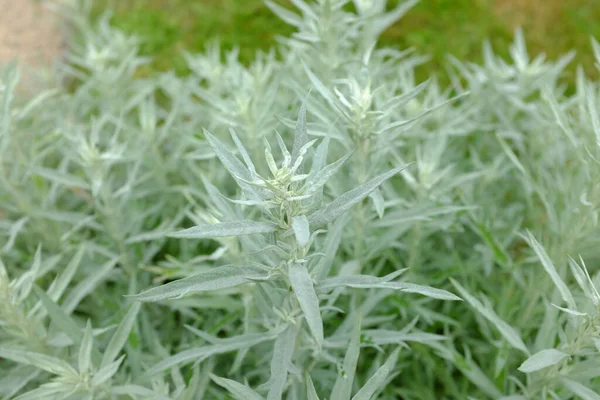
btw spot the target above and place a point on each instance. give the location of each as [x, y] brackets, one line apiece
[300, 227]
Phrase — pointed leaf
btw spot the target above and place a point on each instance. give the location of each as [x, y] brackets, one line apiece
[107, 372]
[225, 229]
[378, 380]
[508, 332]
[85, 349]
[317, 180]
[284, 14]
[343, 203]
[199, 354]
[87, 285]
[237, 390]
[309, 302]
[378, 202]
[215, 279]
[117, 341]
[551, 270]
[301, 230]
[243, 152]
[47, 363]
[342, 388]
[283, 351]
[542, 359]
[373, 282]
[59, 316]
[300, 134]
[311, 392]
[135, 391]
[61, 177]
[580, 390]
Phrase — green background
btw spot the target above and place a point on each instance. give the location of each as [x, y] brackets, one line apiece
[433, 27]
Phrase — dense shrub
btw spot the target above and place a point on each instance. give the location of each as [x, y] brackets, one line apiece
[314, 225]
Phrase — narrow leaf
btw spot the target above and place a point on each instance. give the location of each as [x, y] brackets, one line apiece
[301, 230]
[342, 388]
[117, 341]
[225, 229]
[85, 349]
[508, 332]
[551, 270]
[237, 390]
[106, 372]
[283, 351]
[580, 390]
[343, 203]
[135, 391]
[61, 177]
[309, 302]
[378, 202]
[372, 282]
[47, 363]
[59, 316]
[300, 133]
[311, 392]
[215, 279]
[542, 359]
[378, 380]
[199, 354]
[318, 179]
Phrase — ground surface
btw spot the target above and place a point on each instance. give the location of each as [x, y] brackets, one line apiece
[30, 34]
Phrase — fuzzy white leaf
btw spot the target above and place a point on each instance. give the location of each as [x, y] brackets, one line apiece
[135, 391]
[311, 392]
[59, 316]
[569, 311]
[542, 359]
[300, 133]
[61, 177]
[507, 331]
[47, 392]
[106, 372]
[372, 282]
[85, 349]
[25, 283]
[378, 380]
[243, 152]
[217, 278]
[199, 354]
[383, 336]
[283, 351]
[301, 230]
[236, 168]
[47, 363]
[284, 14]
[318, 179]
[343, 203]
[59, 285]
[309, 302]
[87, 285]
[378, 202]
[117, 341]
[551, 270]
[580, 390]
[342, 388]
[225, 229]
[236, 389]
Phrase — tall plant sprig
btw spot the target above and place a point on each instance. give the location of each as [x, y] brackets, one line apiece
[292, 212]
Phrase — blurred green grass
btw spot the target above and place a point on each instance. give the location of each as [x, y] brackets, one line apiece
[433, 27]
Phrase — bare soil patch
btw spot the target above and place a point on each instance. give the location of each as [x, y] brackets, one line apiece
[31, 34]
